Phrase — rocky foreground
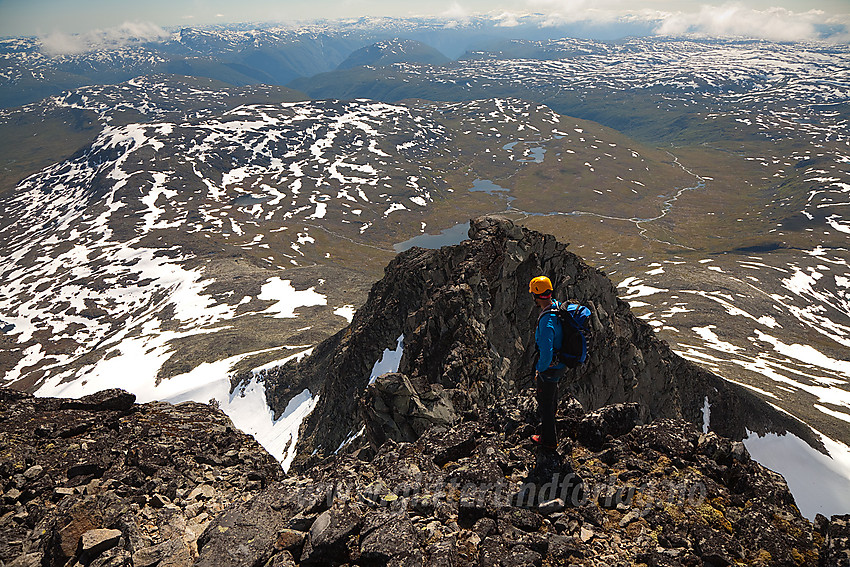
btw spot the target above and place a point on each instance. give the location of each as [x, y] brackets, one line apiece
[104, 482]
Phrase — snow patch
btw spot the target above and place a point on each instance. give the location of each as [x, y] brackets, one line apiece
[287, 299]
[346, 312]
[390, 359]
[794, 459]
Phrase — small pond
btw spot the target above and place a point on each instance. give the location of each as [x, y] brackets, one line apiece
[453, 235]
[249, 200]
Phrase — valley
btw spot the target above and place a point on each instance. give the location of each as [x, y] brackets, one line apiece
[184, 235]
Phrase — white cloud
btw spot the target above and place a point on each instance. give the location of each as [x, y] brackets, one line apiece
[778, 24]
[59, 43]
[129, 33]
[507, 20]
[571, 11]
[456, 15]
[731, 19]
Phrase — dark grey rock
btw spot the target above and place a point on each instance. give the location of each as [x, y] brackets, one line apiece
[551, 506]
[566, 547]
[447, 445]
[716, 547]
[615, 420]
[387, 535]
[836, 549]
[491, 552]
[328, 537]
[114, 558]
[442, 553]
[526, 520]
[521, 556]
[105, 400]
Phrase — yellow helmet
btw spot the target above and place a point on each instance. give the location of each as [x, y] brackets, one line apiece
[540, 285]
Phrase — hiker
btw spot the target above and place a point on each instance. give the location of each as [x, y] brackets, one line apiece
[561, 344]
[548, 370]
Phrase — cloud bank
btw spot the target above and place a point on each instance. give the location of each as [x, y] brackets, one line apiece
[127, 34]
[777, 24]
[725, 20]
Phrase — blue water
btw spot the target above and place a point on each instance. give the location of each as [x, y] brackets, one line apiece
[454, 235]
[537, 155]
[487, 186]
[250, 200]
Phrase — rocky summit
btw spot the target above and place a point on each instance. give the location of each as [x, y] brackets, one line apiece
[430, 463]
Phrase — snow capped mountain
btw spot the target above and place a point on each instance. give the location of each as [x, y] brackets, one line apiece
[34, 68]
[228, 179]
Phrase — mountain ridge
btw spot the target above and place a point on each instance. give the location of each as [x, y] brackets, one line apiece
[101, 481]
[395, 50]
[464, 320]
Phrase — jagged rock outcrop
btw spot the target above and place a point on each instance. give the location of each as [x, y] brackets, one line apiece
[102, 481]
[474, 494]
[467, 320]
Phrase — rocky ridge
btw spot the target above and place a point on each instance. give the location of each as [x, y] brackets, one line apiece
[445, 472]
[617, 493]
[466, 321]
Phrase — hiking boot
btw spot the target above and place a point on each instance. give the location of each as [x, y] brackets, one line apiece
[539, 442]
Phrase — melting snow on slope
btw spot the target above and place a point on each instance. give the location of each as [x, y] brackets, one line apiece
[390, 360]
[280, 438]
[819, 482]
[635, 288]
[807, 354]
[246, 406]
[135, 362]
[346, 312]
[711, 339]
[287, 298]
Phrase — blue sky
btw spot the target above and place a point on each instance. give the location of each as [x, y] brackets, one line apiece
[772, 19]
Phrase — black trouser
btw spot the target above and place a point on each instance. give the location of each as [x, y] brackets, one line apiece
[547, 405]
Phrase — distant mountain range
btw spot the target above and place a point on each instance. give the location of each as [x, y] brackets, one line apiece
[394, 51]
[242, 55]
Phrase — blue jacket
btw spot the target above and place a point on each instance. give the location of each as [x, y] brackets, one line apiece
[549, 338]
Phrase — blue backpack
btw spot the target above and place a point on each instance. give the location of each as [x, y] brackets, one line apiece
[573, 319]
